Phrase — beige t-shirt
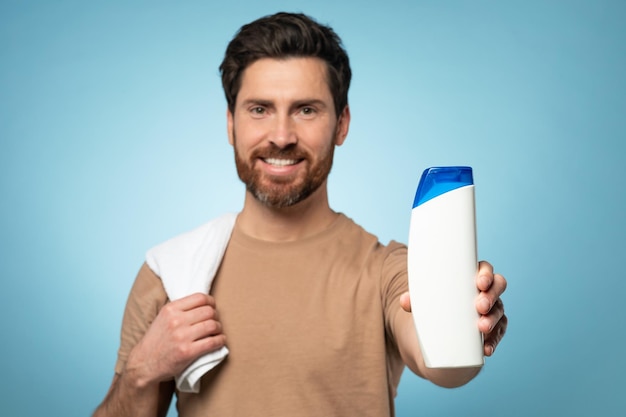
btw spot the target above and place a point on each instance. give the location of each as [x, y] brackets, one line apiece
[308, 326]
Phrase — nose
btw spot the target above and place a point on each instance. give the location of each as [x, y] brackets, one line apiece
[284, 132]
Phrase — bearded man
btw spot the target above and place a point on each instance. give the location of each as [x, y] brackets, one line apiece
[313, 309]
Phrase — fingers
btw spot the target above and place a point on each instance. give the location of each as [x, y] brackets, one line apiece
[201, 316]
[484, 277]
[192, 309]
[489, 295]
[493, 322]
[489, 321]
[495, 336]
[204, 329]
[182, 331]
[194, 318]
[209, 344]
[193, 301]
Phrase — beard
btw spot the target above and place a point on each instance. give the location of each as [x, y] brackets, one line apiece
[283, 191]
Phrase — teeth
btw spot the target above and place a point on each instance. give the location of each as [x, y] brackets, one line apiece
[280, 162]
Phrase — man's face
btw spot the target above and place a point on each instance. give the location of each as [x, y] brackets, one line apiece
[284, 129]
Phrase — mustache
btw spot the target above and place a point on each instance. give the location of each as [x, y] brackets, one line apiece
[291, 151]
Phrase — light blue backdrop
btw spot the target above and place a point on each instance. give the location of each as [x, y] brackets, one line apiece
[112, 135]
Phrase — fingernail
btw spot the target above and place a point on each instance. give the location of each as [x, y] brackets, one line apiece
[484, 304]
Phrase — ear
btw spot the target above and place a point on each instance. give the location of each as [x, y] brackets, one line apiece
[343, 125]
[229, 127]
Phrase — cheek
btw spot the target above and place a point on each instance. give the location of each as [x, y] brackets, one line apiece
[248, 134]
[323, 139]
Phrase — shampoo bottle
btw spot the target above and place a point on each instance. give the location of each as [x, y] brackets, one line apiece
[442, 266]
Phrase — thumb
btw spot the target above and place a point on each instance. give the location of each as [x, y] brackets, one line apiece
[405, 302]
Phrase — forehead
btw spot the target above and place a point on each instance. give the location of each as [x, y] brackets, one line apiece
[288, 78]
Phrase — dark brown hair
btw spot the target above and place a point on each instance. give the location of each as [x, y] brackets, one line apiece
[286, 35]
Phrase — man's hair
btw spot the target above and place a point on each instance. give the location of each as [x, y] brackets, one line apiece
[281, 36]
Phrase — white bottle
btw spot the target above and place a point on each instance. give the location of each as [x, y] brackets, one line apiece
[442, 266]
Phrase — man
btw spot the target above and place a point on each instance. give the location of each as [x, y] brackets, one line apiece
[314, 310]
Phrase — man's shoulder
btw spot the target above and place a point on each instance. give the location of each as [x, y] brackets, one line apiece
[186, 248]
[200, 233]
[361, 233]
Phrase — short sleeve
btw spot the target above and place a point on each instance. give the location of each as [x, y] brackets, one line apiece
[145, 300]
[394, 283]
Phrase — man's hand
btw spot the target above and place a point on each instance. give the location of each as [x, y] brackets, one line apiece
[183, 330]
[492, 322]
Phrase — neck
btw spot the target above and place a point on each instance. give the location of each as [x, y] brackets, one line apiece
[306, 218]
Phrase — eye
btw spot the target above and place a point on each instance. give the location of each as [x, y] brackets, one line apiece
[257, 112]
[307, 111]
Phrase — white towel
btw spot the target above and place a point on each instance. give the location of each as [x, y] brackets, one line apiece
[187, 264]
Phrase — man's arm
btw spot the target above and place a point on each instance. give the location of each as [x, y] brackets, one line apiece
[124, 399]
[492, 323]
[182, 331]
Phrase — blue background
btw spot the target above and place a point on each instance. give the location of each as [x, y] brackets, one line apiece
[112, 139]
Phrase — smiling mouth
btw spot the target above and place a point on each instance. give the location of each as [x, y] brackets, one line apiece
[280, 162]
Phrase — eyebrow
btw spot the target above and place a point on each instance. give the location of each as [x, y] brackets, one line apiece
[310, 102]
[298, 103]
[256, 101]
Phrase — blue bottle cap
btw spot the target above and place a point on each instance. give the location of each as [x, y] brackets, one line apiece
[439, 180]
